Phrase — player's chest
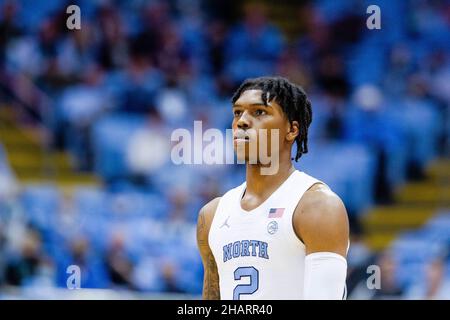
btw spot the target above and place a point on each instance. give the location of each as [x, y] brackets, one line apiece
[251, 235]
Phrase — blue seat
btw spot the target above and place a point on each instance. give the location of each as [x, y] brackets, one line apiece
[41, 204]
[348, 168]
[111, 136]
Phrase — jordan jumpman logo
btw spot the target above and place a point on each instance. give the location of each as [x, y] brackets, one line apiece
[225, 223]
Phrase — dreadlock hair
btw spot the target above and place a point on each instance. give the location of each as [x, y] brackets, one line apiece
[292, 99]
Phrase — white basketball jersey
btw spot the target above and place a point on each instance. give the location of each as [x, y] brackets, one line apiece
[257, 252]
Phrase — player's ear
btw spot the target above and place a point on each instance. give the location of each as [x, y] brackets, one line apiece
[293, 131]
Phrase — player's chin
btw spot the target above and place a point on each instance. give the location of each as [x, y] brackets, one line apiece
[243, 156]
[241, 149]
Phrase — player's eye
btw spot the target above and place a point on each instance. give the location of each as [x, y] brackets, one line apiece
[260, 112]
[237, 113]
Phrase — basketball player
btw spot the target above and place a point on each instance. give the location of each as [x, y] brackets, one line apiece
[279, 236]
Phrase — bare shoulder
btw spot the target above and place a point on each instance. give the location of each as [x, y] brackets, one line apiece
[321, 221]
[320, 198]
[205, 218]
[210, 207]
[211, 288]
[208, 211]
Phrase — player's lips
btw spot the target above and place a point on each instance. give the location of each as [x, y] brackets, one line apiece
[241, 136]
[242, 139]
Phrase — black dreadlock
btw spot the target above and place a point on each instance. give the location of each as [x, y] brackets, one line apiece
[292, 99]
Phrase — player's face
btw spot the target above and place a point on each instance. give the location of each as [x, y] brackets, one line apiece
[250, 115]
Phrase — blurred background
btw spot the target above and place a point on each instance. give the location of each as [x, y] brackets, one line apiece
[86, 117]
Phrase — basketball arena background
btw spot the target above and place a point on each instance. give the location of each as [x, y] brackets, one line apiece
[86, 178]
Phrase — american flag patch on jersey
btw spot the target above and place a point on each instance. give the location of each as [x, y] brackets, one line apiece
[276, 212]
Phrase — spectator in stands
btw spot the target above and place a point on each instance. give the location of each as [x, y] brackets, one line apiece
[254, 46]
[155, 18]
[294, 68]
[137, 84]
[83, 255]
[118, 265]
[9, 26]
[369, 120]
[23, 267]
[2, 248]
[384, 276]
[169, 278]
[390, 289]
[437, 283]
[9, 186]
[113, 44]
[178, 199]
[359, 257]
[80, 106]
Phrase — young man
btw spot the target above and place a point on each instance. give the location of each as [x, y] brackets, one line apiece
[277, 236]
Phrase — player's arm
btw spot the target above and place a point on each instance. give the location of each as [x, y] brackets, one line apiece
[321, 222]
[211, 277]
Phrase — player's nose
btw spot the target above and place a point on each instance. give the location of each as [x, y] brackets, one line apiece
[244, 121]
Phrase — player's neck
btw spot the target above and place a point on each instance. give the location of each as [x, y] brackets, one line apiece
[260, 184]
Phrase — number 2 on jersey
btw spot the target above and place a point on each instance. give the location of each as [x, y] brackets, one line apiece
[250, 288]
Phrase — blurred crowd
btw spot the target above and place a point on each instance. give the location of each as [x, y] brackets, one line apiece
[112, 93]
